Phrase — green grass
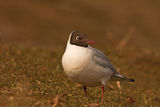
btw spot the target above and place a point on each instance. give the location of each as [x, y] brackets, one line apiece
[34, 77]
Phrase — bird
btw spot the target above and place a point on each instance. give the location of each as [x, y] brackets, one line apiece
[87, 65]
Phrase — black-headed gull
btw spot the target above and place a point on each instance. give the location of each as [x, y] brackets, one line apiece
[86, 65]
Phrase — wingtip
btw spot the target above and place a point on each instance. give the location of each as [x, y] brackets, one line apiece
[132, 80]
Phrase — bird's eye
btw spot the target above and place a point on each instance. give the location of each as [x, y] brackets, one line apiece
[78, 38]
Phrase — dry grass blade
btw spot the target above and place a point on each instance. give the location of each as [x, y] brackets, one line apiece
[122, 44]
[118, 82]
[94, 105]
[56, 101]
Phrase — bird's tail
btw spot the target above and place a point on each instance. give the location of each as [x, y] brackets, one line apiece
[118, 77]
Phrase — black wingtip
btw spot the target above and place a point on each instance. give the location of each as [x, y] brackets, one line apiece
[132, 80]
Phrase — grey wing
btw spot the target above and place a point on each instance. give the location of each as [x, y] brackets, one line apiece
[102, 60]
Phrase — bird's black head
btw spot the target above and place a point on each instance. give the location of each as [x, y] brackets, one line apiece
[80, 39]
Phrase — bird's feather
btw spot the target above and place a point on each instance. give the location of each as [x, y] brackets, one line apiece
[102, 60]
[119, 77]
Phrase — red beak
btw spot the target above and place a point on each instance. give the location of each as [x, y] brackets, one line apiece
[90, 42]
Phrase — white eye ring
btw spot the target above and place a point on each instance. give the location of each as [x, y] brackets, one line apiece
[77, 37]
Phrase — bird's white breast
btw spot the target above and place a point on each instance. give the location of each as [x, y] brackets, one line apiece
[75, 60]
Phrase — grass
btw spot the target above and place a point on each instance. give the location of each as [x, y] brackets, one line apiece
[34, 77]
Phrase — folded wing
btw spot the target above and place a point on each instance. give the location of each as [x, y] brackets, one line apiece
[101, 59]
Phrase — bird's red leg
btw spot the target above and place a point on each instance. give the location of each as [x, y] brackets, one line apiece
[102, 94]
[85, 91]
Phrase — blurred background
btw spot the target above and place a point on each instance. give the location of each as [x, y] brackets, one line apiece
[127, 31]
[48, 23]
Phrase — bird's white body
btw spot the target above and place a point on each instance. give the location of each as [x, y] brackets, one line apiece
[86, 65]
[80, 64]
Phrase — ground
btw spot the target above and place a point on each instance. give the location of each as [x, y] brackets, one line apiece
[34, 77]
